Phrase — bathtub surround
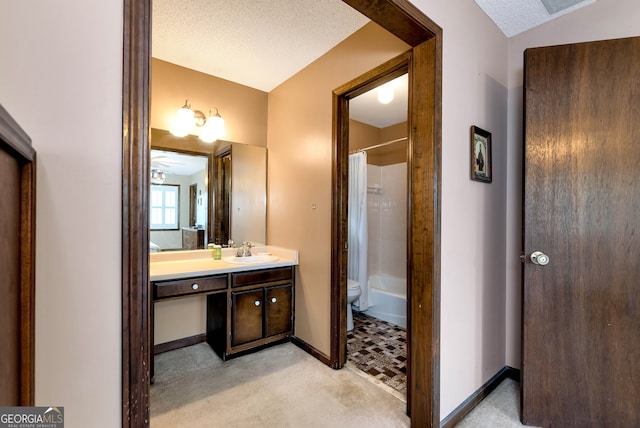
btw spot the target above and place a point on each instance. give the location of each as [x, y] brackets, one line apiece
[358, 226]
[387, 215]
[390, 296]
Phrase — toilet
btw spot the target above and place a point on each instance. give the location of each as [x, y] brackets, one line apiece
[353, 293]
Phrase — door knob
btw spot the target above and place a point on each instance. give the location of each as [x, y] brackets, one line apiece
[539, 258]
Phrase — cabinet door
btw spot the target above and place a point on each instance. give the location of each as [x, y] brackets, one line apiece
[246, 316]
[277, 310]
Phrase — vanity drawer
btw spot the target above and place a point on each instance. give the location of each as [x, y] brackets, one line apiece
[184, 287]
[261, 276]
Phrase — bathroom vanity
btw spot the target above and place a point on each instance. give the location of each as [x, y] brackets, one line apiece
[250, 301]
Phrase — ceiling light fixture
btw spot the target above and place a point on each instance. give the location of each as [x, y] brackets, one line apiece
[157, 176]
[187, 120]
[385, 93]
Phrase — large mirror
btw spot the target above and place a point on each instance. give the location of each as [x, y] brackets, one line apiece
[205, 193]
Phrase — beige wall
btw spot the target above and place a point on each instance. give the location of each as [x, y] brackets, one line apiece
[244, 109]
[604, 19]
[62, 81]
[300, 138]
[362, 136]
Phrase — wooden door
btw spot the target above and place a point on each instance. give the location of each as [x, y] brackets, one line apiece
[246, 316]
[278, 313]
[17, 279]
[581, 312]
[193, 204]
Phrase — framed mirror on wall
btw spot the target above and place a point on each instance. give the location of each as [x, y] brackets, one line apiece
[205, 193]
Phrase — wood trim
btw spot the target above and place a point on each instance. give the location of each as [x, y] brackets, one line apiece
[136, 296]
[480, 394]
[323, 358]
[16, 141]
[27, 282]
[399, 17]
[14, 137]
[424, 186]
[179, 343]
[339, 187]
[339, 229]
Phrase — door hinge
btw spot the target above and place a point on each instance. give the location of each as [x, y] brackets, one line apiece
[229, 336]
[230, 302]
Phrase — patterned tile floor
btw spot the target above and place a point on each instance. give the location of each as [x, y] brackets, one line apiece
[379, 349]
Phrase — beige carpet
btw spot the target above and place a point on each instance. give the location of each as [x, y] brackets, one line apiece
[281, 386]
[498, 410]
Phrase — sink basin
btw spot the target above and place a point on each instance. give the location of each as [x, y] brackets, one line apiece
[251, 260]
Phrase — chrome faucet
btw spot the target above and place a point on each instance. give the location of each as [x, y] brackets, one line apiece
[244, 250]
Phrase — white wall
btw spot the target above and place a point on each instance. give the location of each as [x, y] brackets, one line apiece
[387, 220]
[61, 80]
[604, 19]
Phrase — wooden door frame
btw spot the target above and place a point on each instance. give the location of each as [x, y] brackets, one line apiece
[14, 140]
[408, 23]
[424, 66]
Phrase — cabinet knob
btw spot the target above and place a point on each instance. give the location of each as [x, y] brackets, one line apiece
[257, 303]
[273, 300]
[194, 286]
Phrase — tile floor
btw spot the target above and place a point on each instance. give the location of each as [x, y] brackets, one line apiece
[379, 349]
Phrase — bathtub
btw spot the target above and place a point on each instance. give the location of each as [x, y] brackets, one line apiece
[389, 295]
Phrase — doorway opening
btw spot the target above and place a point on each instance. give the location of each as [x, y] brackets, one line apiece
[377, 228]
[423, 248]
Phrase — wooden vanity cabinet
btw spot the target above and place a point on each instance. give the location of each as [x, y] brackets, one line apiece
[278, 305]
[192, 238]
[261, 311]
[246, 316]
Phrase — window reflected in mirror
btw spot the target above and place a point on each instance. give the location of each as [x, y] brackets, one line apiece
[179, 206]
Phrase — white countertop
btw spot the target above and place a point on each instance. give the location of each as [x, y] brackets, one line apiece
[185, 264]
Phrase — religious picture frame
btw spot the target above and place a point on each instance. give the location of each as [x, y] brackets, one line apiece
[481, 168]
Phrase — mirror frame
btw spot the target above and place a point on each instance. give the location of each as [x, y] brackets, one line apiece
[189, 145]
[408, 23]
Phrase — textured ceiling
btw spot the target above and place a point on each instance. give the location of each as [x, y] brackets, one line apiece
[515, 16]
[257, 43]
[261, 43]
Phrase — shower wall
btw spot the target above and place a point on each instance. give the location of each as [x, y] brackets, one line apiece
[387, 218]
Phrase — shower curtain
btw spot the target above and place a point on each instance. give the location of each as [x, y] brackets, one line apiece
[358, 233]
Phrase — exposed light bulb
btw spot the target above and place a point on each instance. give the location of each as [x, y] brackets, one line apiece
[385, 94]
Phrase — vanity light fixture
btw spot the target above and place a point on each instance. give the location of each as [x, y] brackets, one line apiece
[213, 129]
[186, 120]
[385, 93]
[157, 176]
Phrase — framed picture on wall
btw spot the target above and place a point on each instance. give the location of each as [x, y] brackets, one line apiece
[481, 169]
